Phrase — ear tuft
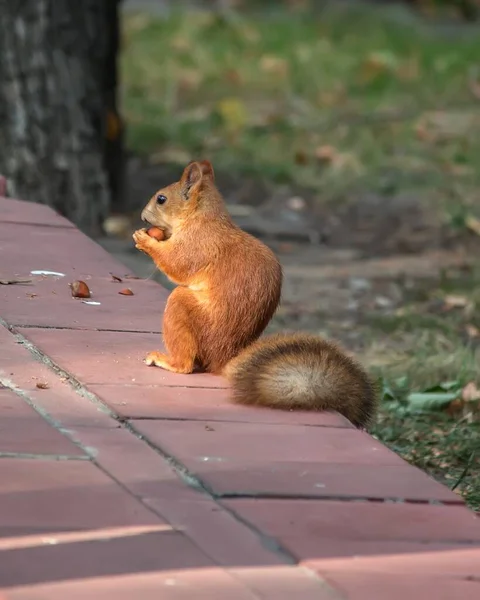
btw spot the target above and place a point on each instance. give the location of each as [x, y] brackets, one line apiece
[207, 169]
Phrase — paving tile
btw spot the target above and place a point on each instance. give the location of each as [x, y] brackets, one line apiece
[50, 496]
[291, 460]
[23, 430]
[147, 475]
[111, 357]
[456, 562]
[234, 443]
[378, 586]
[310, 529]
[47, 302]
[286, 583]
[124, 553]
[30, 213]
[182, 584]
[67, 407]
[58, 249]
[160, 402]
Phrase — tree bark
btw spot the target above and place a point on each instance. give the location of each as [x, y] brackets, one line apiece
[55, 94]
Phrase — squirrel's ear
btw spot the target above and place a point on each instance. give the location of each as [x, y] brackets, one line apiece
[194, 173]
[207, 169]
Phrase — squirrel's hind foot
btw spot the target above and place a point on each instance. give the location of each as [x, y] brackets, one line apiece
[159, 359]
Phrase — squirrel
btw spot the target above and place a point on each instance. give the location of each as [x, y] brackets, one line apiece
[228, 289]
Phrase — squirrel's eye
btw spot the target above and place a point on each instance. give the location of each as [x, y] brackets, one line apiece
[161, 199]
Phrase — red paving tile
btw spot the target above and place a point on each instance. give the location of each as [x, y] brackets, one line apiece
[310, 530]
[47, 302]
[60, 401]
[181, 584]
[46, 496]
[57, 249]
[23, 430]
[459, 563]
[286, 583]
[147, 475]
[127, 553]
[237, 443]
[160, 402]
[108, 357]
[296, 461]
[28, 213]
[379, 586]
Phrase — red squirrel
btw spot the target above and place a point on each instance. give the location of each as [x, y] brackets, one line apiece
[229, 286]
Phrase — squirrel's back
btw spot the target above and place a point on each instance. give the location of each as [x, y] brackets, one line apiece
[302, 372]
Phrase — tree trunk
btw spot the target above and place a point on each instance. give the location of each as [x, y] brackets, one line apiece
[55, 97]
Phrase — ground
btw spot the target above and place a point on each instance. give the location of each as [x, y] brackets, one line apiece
[347, 139]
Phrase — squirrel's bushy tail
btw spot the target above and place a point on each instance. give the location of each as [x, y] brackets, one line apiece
[302, 372]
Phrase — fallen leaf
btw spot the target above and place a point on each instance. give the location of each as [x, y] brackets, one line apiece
[301, 157]
[472, 331]
[274, 65]
[128, 276]
[32, 295]
[378, 63]
[473, 224]
[455, 302]
[470, 393]
[80, 289]
[126, 292]
[14, 281]
[42, 385]
[115, 278]
[326, 153]
[233, 76]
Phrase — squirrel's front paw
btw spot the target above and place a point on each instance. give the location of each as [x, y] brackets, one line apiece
[143, 241]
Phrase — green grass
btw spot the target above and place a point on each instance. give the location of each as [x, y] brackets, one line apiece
[428, 349]
[339, 101]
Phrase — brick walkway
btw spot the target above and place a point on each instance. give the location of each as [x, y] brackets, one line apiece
[122, 481]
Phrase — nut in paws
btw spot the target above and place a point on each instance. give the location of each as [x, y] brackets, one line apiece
[142, 240]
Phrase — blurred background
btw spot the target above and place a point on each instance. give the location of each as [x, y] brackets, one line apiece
[345, 134]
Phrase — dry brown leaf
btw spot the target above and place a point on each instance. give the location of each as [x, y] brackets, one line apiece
[378, 63]
[471, 393]
[42, 385]
[126, 292]
[453, 301]
[274, 64]
[79, 289]
[301, 157]
[472, 331]
[326, 154]
[116, 278]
